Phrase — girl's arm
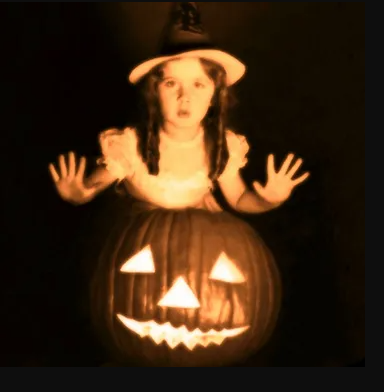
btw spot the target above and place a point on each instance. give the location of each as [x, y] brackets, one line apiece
[275, 192]
[234, 189]
[99, 180]
[241, 199]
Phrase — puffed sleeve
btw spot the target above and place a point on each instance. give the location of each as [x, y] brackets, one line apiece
[238, 148]
[119, 152]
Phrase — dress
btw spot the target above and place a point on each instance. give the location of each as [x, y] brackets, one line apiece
[183, 179]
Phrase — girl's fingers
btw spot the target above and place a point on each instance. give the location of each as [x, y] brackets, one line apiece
[271, 170]
[72, 165]
[286, 164]
[53, 172]
[258, 188]
[300, 179]
[81, 170]
[294, 168]
[63, 167]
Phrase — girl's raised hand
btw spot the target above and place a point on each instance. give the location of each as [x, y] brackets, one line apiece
[280, 184]
[69, 181]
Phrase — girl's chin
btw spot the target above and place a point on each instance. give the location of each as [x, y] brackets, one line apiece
[185, 122]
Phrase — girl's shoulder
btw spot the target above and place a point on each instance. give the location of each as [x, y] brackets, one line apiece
[118, 142]
[119, 151]
[238, 148]
[118, 136]
[237, 143]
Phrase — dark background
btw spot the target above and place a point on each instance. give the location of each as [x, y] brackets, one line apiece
[63, 80]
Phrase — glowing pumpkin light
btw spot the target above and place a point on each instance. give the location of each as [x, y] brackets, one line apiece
[185, 288]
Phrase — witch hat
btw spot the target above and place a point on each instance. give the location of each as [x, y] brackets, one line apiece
[185, 37]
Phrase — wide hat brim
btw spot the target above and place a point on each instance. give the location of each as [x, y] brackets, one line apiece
[234, 68]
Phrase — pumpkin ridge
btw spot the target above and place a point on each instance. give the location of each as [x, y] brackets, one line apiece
[169, 223]
[134, 247]
[227, 290]
[191, 280]
[269, 268]
[148, 279]
[258, 265]
[199, 283]
[112, 280]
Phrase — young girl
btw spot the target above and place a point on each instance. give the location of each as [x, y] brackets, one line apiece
[182, 148]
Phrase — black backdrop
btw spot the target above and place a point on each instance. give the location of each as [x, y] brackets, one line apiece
[64, 70]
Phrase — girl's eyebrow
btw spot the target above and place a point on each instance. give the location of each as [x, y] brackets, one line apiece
[204, 79]
[199, 78]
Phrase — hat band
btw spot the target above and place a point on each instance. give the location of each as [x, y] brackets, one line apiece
[173, 49]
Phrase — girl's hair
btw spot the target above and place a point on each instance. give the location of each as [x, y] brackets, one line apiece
[214, 123]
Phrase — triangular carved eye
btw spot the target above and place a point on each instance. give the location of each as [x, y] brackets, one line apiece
[140, 263]
[226, 271]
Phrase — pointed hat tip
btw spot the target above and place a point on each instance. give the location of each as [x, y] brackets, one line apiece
[186, 16]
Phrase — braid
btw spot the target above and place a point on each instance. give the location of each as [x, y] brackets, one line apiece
[216, 127]
[152, 148]
[149, 135]
[222, 149]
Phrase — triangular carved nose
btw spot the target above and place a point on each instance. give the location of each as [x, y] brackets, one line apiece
[180, 295]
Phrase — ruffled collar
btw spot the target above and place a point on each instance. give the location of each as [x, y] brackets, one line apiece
[167, 140]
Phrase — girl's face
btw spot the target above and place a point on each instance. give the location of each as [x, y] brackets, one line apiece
[185, 93]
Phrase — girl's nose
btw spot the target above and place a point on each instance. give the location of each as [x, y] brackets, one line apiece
[184, 94]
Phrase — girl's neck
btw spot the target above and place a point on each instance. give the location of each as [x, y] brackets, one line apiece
[182, 134]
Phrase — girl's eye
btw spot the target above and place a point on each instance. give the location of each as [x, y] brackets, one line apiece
[199, 85]
[170, 83]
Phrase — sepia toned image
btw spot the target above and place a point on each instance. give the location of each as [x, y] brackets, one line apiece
[185, 184]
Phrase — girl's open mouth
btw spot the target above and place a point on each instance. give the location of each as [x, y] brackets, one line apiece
[183, 113]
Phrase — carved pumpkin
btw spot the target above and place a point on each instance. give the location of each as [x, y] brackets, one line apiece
[185, 288]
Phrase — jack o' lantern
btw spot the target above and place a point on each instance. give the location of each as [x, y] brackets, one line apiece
[185, 288]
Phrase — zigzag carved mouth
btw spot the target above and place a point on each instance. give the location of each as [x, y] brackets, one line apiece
[175, 336]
